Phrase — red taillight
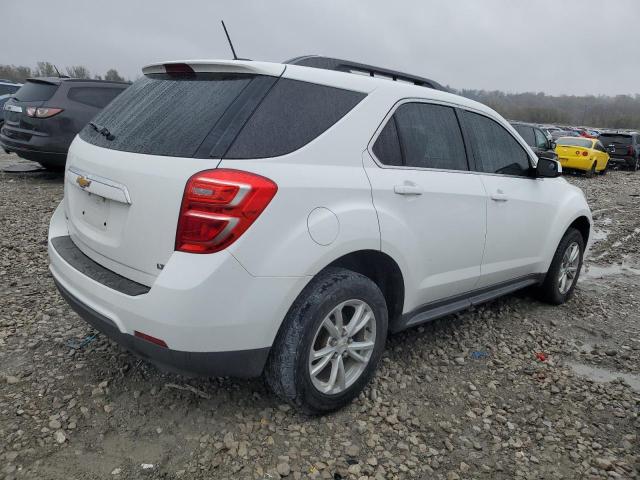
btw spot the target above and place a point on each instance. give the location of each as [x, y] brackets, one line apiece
[218, 206]
[42, 112]
[151, 339]
[585, 153]
[630, 151]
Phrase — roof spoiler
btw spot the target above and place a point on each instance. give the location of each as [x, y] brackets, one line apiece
[215, 66]
[327, 63]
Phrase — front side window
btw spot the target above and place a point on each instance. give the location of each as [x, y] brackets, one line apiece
[495, 149]
[430, 137]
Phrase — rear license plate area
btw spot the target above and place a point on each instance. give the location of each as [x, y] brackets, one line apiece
[94, 210]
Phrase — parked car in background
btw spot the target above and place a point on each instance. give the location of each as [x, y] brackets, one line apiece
[238, 217]
[563, 133]
[7, 88]
[624, 148]
[542, 144]
[45, 114]
[585, 154]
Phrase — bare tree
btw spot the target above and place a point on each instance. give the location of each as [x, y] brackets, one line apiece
[45, 69]
[78, 71]
[113, 76]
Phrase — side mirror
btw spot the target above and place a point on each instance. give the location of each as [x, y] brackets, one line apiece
[547, 168]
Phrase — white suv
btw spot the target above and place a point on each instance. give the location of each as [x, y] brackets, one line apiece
[240, 218]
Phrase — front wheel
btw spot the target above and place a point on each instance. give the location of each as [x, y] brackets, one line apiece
[562, 276]
[330, 343]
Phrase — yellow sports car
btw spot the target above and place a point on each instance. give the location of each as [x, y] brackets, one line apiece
[579, 153]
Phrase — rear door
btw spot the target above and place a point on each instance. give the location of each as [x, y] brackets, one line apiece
[126, 174]
[431, 208]
[519, 205]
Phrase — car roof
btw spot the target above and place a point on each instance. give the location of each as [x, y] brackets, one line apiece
[335, 78]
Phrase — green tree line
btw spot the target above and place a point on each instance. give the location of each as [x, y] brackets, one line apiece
[19, 73]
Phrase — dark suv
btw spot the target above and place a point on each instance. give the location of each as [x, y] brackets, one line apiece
[7, 88]
[542, 145]
[45, 114]
[623, 148]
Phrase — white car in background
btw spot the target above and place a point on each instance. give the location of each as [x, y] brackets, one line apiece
[245, 218]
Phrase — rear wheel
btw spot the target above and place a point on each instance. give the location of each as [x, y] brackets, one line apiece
[592, 171]
[330, 342]
[605, 169]
[561, 279]
[634, 165]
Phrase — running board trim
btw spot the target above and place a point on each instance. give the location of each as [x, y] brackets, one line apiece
[442, 308]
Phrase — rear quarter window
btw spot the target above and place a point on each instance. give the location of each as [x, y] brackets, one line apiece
[292, 114]
[98, 97]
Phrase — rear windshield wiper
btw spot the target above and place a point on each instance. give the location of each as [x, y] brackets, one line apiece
[102, 130]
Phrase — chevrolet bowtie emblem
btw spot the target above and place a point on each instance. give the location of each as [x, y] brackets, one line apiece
[83, 182]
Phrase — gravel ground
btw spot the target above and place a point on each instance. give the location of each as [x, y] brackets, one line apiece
[468, 396]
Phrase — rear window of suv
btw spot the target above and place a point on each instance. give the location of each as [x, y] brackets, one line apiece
[35, 91]
[219, 115]
[617, 139]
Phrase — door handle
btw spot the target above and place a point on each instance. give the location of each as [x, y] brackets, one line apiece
[499, 196]
[407, 189]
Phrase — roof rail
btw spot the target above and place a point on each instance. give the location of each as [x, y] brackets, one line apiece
[328, 63]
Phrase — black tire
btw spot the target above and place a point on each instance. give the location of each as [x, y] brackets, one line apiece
[633, 166]
[604, 170]
[591, 172]
[287, 372]
[549, 290]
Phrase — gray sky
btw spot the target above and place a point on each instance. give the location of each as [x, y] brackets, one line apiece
[555, 46]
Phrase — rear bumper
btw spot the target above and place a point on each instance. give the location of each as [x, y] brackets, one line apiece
[626, 160]
[218, 321]
[36, 155]
[576, 163]
[241, 363]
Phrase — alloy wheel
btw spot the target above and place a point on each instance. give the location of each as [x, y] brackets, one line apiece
[342, 347]
[569, 268]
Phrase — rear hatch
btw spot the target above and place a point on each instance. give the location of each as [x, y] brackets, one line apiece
[127, 170]
[32, 95]
[618, 145]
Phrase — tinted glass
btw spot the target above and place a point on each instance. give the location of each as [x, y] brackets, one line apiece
[526, 133]
[35, 92]
[495, 149]
[291, 115]
[609, 138]
[575, 142]
[98, 97]
[387, 146]
[541, 139]
[430, 136]
[166, 116]
[7, 89]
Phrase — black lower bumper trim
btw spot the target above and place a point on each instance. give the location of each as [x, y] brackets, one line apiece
[71, 254]
[239, 363]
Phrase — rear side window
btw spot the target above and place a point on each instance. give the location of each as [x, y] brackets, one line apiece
[35, 92]
[387, 146]
[291, 115]
[166, 116]
[430, 137]
[526, 133]
[494, 148]
[98, 97]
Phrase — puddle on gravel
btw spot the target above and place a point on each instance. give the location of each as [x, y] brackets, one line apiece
[602, 375]
[598, 271]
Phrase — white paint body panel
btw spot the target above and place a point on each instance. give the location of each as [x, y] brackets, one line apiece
[236, 299]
